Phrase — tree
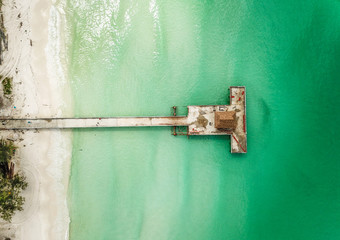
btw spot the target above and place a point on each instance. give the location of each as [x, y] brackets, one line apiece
[11, 184]
[7, 150]
[10, 198]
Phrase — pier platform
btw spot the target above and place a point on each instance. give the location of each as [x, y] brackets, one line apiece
[203, 120]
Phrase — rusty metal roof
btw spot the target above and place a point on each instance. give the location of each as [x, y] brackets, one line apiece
[225, 120]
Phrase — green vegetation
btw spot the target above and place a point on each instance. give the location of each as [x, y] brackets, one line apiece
[11, 184]
[7, 85]
[7, 150]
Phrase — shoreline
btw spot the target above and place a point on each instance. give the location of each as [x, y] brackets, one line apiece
[40, 89]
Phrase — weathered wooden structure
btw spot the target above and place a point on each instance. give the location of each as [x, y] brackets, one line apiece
[200, 120]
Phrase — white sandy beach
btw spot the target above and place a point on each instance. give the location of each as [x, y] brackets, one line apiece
[39, 90]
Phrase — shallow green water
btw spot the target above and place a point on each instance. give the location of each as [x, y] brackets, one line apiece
[136, 58]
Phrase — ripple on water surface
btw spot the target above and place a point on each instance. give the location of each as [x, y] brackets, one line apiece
[140, 58]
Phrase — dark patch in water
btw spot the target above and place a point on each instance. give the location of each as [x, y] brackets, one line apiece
[266, 111]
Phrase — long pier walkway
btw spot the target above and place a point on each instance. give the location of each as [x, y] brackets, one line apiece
[54, 123]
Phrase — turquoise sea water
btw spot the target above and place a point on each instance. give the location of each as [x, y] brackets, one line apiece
[139, 58]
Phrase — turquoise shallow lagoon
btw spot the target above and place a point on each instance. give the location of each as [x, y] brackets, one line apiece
[139, 58]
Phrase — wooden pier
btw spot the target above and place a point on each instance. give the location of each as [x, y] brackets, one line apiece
[201, 120]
